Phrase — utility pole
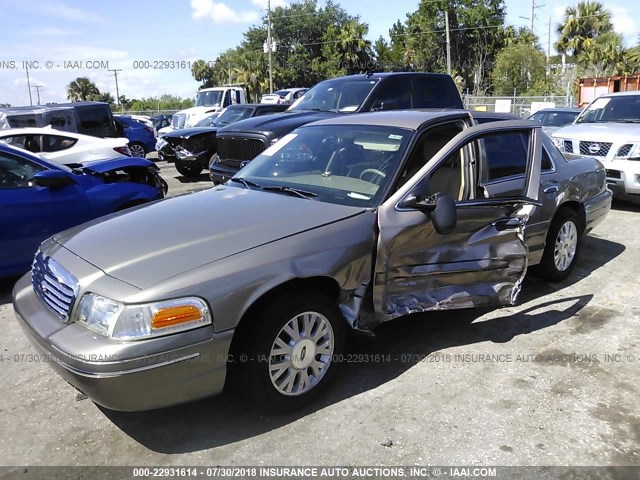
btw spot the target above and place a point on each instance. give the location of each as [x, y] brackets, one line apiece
[446, 23]
[38, 87]
[533, 13]
[549, 41]
[270, 46]
[115, 74]
[29, 86]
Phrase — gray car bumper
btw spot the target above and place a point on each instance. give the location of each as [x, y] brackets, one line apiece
[127, 381]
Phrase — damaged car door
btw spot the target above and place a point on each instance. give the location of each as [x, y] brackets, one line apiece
[445, 240]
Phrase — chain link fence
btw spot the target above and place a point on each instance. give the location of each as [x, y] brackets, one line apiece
[521, 106]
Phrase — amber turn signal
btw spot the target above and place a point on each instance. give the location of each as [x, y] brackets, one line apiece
[167, 317]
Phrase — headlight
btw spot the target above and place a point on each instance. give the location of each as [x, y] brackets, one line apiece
[559, 142]
[634, 154]
[136, 322]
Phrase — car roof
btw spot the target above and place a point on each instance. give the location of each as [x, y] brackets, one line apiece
[53, 106]
[559, 109]
[621, 94]
[411, 119]
[41, 131]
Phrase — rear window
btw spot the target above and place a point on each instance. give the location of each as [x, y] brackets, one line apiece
[95, 121]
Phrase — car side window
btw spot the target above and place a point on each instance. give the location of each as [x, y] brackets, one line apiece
[427, 146]
[30, 143]
[503, 155]
[94, 121]
[55, 143]
[393, 93]
[16, 172]
[431, 92]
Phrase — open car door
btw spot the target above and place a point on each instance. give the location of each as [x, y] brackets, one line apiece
[448, 241]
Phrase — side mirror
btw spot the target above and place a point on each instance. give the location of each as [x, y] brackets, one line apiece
[386, 105]
[440, 207]
[52, 179]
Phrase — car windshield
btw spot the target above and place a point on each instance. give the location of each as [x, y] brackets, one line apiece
[208, 121]
[232, 115]
[340, 95]
[209, 99]
[560, 119]
[623, 109]
[348, 166]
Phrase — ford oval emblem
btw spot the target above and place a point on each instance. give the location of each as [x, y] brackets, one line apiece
[594, 148]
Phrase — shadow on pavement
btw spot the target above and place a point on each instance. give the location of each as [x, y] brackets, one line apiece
[625, 206]
[203, 177]
[224, 419]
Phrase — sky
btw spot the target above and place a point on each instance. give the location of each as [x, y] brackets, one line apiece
[65, 39]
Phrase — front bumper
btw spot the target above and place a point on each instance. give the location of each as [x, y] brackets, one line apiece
[623, 178]
[125, 376]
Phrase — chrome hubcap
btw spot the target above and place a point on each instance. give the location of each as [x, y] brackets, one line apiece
[136, 150]
[566, 245]
[301, 353]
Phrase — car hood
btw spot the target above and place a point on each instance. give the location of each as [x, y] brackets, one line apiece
[154, 242]
[189, 132]
[277, 123]
[601, 132]
[104, 166]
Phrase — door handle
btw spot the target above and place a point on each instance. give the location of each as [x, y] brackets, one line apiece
[552, 189]
[507, 224]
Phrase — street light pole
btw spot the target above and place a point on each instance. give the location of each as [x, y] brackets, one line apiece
[269, 46]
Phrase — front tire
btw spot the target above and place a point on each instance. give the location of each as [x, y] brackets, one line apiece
[137, 149]
[287, 358]
[192, 169]
[562, 246]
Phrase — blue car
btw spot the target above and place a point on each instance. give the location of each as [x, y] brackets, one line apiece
[142, 139]
[39, 198]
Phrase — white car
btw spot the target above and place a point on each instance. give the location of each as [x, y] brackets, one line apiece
[65, 147]
[609, 130]
[285, 96]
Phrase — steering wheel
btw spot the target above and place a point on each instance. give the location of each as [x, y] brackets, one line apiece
[373, 171]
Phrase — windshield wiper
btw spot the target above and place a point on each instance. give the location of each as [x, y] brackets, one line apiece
[246, 183]
[293, 191]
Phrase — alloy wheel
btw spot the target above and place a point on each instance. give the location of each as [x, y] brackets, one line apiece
[301, 353]
[565, 246]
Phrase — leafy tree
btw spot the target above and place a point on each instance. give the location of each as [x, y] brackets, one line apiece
[519, 68]
[204, 73]
[581, 25]
[476, 35]
[81, 89]
[103, 97]
[605, 56]
[312, 43]
[5, 105]
[520, 35]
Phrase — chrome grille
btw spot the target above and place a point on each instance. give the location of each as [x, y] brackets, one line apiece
[239, 149]
[54, 285]
[597, 149]
[624, 150]
[568, 146]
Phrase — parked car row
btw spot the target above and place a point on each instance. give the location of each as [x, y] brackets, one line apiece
[354, 207]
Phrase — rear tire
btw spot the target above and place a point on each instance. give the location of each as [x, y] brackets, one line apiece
[562, 246]
[192, 169]
[287, 356]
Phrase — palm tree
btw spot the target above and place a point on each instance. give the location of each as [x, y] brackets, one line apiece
[353, 50]
[581, 26]
[604, 56]
[81, 89]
